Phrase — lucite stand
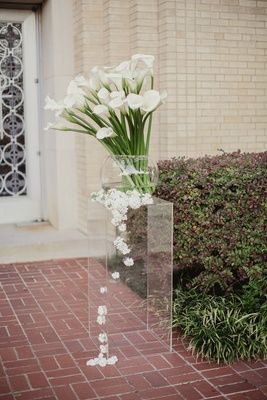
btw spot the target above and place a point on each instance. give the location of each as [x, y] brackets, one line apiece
[141, 298]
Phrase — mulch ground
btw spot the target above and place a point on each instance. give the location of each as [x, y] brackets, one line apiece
[44, 346]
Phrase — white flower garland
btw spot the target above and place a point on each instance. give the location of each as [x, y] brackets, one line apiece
[118, 203]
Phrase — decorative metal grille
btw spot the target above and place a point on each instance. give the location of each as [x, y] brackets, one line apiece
[12, 134]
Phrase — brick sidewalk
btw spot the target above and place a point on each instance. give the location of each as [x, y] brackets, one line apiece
[44, 346]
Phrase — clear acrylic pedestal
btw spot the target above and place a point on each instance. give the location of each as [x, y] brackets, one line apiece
[141, 299]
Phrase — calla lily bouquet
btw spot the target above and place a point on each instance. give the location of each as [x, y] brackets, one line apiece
[114, 105]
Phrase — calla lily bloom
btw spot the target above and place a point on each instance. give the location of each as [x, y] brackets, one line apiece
[117, 93]
[103, 133]
[116, 104]
[100, 110]
[81, 81]
[103, 95]
[152, 100]
[135, 101]
[148, 60]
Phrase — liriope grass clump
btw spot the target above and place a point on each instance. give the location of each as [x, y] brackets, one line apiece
[220, 328]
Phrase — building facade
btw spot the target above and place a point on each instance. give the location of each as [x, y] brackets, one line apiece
[211, 57]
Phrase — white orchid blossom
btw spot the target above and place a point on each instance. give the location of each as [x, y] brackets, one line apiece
[103, 348]
[102, 310]
[118, 203]
[103, 133]
[115, 275]
[112, 360]
[101, 319]
[122, 227]
[103, 337]
[102, 362]
[128, 261]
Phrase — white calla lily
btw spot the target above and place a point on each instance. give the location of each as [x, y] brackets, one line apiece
[49, 126]
[117, 104]
[140, 74]
[71, 101]
[152, 100]
[116, 79]
[117, 93]
[98, 78]
[103, 133]
[163, 95]
[111, 93]
[100, 110]
[135, 101]
[103, 95]
[147, 59]
[125, 65]
[94, 83]
[51, 104]
[74, 89]
[81, 81]
[75, 96]
[131, 84]
[103, 77]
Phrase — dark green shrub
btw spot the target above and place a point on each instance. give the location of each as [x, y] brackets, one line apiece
[220, 219]
[219, 328]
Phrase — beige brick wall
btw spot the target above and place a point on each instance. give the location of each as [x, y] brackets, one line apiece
[211, 56]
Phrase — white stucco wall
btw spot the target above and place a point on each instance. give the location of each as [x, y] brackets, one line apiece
[58, 154]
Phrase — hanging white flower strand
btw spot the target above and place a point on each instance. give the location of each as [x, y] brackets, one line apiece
[118, 203]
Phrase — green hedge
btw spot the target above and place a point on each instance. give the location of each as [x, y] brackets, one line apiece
[220, 219]
[220, 252]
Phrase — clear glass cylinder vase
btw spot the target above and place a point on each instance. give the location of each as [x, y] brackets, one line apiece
[124, 172]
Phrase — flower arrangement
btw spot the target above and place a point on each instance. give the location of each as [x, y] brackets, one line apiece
[115, 106]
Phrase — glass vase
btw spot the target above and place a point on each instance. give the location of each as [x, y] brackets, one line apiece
[139, 300]
[123, 172]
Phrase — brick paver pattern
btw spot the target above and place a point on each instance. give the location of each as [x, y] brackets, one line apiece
[44, 346]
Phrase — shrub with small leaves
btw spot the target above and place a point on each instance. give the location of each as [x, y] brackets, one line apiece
[220, 219]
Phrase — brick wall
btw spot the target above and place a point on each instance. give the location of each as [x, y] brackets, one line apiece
[211, 56]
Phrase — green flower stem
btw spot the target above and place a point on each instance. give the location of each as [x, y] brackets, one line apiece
[148, 133]
[73, 118]
[73, 130]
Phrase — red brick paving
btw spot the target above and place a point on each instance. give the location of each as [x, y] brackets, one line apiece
[44, 346]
